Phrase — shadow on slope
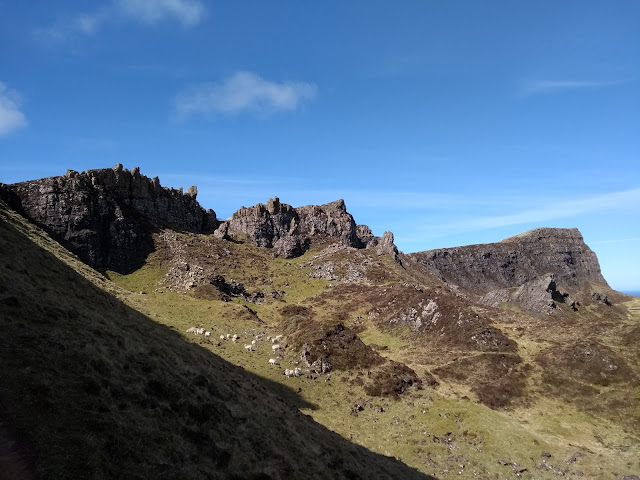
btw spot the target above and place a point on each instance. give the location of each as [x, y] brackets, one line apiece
[92, 388]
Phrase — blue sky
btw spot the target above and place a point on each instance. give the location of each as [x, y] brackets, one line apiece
[447, 123]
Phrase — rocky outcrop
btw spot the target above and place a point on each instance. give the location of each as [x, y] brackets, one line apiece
[290, 231]
[338, 349]
[601, 297]
[385, 246]
[540, 295]
[107, 216]
[516, 260]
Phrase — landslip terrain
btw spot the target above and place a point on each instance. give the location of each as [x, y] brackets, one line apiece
[142, 337]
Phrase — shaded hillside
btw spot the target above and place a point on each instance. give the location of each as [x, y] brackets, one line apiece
[94, 389]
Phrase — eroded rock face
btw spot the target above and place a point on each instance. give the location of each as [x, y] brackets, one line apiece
[107, 216]
[517, 260]
[385, 246]
[540, 295]
[290, 231]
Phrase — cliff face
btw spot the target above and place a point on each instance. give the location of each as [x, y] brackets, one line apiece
[517, 260]
[290, 231]
[107, 216]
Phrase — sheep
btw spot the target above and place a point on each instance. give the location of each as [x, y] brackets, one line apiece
[273, 361]
[199, 331]
[192, 330]
[276, 347]
[269, 338]
[222, 337]
[248, 348]
[228, 336]
[297, 371]
[253, 342]
[207, 333]
[234, 338]
[278, 338]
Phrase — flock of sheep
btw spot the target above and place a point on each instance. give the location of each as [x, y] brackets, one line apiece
[250, 347]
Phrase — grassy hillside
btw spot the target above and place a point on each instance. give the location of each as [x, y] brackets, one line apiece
[109, 364]
[516, 405]
[94, 388]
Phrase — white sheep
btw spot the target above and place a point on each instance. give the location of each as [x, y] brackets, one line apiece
[222, 337]
[200, 331]
[278, 338]
[273, 361]
[228, 336]
[207, 333]
[192, 330]
[253, 342]
[297, 371]
[234, 338]
[269, 338]
[248, 348]
[276, 347]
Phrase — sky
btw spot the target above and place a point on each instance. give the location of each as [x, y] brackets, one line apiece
[447, 123]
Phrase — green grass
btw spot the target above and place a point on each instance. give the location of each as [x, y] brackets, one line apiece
[414, 427]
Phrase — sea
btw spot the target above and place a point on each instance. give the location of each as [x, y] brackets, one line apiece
[635, 293]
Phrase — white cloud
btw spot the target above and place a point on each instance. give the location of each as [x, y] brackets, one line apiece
[554, 210]
[88, 24]
[541, 87]
[11, 118]
[149, 12]
[187, 12]
[244, 91]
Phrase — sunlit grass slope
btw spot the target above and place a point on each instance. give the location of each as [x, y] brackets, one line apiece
[443, 431]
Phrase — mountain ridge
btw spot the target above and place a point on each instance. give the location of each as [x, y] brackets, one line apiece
[388, 352]
[120, 241]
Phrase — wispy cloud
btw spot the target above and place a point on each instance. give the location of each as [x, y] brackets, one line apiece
[188, 13]
[243, 92]
[551, 211]
[541, 87]
[11, 118]
[617, 240]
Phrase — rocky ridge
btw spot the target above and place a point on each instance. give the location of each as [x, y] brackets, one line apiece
[538, 270]
[107, 216]
[516, 260]
[290, 231]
